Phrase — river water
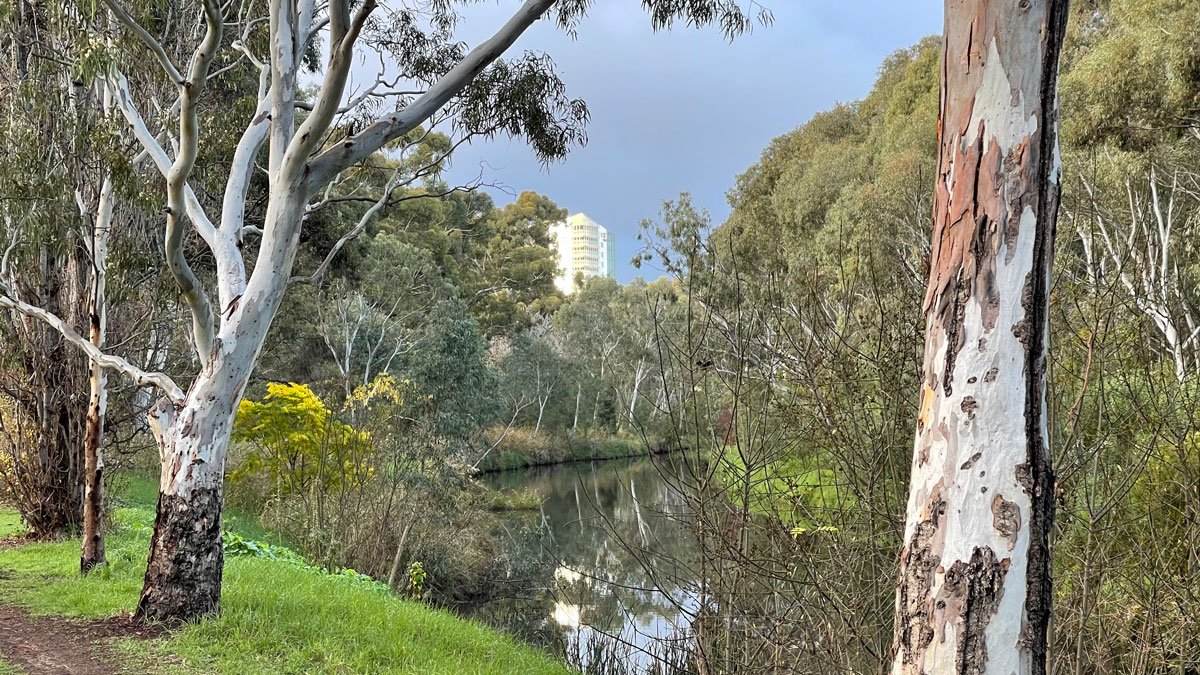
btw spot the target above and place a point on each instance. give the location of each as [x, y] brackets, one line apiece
[610, 570]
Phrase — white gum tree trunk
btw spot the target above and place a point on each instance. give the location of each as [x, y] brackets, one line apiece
[97, 239]
[974, 588]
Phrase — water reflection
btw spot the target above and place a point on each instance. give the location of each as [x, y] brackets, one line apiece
[613, 560]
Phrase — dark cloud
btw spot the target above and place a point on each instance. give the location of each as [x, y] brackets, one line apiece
[688, 110]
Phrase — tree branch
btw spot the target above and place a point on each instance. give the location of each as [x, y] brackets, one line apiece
[141, 377]
[154, 45]
[119, 87]
[344, 33]
[395, 125]
[203, 321]
[356, 231]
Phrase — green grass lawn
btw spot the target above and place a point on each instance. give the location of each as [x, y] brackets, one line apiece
[10, 523]
[276, 617]
[790, 490]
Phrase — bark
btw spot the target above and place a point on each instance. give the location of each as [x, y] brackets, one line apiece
[395, 569]
[974, 588]
[183, 576]
[93, 475]
[578, 395]
[637, 384]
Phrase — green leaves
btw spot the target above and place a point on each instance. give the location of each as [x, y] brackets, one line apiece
[298, 443]
[236, 545]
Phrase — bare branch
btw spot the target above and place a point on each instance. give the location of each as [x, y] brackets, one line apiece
[119, 87]
[344, 33]
[395, 125]
[142, 377]
[356, 231]
[190, 90]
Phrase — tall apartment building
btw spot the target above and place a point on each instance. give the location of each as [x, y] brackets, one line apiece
[583, 248]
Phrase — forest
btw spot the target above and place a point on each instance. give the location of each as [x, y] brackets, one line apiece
[280, 392]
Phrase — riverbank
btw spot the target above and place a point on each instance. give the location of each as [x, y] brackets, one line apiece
[278, 615]
[522, 449]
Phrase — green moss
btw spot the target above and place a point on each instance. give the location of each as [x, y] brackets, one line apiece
[276, 617]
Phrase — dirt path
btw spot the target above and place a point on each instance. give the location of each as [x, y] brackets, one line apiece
[47, 645]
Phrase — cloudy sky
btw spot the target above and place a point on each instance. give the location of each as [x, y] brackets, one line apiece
[687, 110]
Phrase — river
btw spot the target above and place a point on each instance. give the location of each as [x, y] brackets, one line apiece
[613, 573]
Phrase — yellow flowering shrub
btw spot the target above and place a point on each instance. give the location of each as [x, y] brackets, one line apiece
[298, 443]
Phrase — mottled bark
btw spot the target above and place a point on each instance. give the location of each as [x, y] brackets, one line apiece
[93, 474]
[974, 588]
[185, 551]
[97, 238]
[183, 575]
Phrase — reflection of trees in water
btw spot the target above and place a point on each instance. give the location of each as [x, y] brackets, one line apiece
[623, 561]
[623, 550]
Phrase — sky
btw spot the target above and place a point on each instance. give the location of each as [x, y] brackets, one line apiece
[686, 110]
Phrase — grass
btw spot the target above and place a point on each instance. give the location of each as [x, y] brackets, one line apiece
[10, 525]
[276, 617]
[790, 490]
[514, 500]
[521, 448]
[7, 668]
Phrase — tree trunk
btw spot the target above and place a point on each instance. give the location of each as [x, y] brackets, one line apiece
[637, 383]
[395, 569]
[93, 541]
[578, 395]
[183, 575]
[541, 402]
[974, 589]
[93, 474]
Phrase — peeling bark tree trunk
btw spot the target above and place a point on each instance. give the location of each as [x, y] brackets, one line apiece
[183, 574]
[93, 475]
[974, 588]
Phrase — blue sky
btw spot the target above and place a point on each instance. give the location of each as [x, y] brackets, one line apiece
[687, 110]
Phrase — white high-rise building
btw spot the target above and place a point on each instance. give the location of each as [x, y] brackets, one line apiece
[583, 248]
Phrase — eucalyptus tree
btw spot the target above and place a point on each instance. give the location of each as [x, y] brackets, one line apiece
[1135, 217]
[593, 332]
[508, 265]
[974, 592]
[57, 213]
[308, 145]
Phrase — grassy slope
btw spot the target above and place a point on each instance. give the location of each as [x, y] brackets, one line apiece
[276, 618]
